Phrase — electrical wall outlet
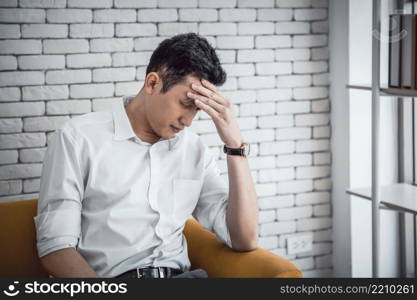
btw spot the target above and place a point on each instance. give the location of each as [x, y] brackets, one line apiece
[299, 243]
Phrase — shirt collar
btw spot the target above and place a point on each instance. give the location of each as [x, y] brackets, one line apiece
[123, 129]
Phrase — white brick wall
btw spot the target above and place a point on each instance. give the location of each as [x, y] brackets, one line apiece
[22, 109]
[293, 133]
[292, 54]
[234, 42]
[132, 29]
[255, 55]
[88, 60]
[294, 160]
[8, 63]
[20, 47]
[69, 16]
[67, 57]
[294, 81]
[45, 92]
[292, 27]
[236, 15]
[44, 31]
[8, 157]
[36, 62]
[276, 202]
[273, 41]
[21, 78]
[115, 15]
[268, 242]
[10, 31]
[91, 30]
[44, 123]
[9, 94]
[293, 107]
[114, 74]
[10, 125]
[65, 46]
[293, 213]
[275, 14]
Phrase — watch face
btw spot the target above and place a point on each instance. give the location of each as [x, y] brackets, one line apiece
[246, 149]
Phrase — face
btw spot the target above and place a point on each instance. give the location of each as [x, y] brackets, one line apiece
[169, 113]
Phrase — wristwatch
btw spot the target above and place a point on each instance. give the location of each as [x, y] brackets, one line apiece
[243, 150]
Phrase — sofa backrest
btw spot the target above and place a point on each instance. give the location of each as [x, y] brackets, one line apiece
[18, 253]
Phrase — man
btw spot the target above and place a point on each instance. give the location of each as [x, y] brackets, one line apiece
[118, 186]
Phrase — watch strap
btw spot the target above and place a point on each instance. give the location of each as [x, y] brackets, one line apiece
[235, 151]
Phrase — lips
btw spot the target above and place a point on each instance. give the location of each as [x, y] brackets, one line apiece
[176, 129]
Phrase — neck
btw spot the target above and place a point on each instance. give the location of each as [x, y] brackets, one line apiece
[136, 112]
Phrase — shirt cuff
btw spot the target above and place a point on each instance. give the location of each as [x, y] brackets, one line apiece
[56, 230]
[49, 246]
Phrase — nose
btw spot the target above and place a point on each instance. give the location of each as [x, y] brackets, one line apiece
[187, 119]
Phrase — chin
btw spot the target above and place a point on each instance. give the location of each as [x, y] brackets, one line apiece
[165, 134]
[168, 135]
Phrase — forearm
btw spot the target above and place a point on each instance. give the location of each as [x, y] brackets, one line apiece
[67, 263]
[242, 209]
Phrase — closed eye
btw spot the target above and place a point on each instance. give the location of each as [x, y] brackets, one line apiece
[189, 103]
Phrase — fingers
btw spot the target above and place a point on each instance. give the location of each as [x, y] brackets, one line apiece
[208, 101]
[208, 109]
[210, 86]
[210, 93]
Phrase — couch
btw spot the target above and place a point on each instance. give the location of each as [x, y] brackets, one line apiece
[18, 253]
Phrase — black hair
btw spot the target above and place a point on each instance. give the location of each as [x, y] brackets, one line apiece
[182, 55]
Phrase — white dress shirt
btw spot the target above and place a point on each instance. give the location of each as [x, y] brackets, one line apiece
[122, 203]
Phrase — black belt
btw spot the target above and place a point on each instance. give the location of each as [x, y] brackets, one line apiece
[150, 272]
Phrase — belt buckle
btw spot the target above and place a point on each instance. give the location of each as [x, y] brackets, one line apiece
[161, 272]
[138, 272]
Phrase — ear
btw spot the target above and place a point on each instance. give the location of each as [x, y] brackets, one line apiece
[153, 83]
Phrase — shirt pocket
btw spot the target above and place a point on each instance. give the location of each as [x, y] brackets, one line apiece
[186, 195]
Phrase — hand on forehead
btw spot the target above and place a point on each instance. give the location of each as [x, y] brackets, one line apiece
[193, 80]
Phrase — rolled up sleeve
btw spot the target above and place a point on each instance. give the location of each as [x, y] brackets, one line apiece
[58, 220]
[210, 211]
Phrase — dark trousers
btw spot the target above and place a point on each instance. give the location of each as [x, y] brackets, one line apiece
[197, 273]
